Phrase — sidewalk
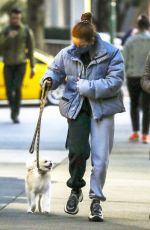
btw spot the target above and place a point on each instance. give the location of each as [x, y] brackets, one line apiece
[127, 189]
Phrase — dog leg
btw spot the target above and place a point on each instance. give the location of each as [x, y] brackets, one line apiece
[39, 203]
[33, 202]
[29, 202]
[46, 200]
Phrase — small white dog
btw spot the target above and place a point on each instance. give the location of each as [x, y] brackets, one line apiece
[38, 186]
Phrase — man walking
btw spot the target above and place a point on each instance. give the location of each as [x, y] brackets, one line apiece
[16, 43]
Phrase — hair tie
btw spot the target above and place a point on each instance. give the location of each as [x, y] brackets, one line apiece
[85, 21]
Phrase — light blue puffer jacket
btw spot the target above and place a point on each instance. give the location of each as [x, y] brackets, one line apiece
[101, 82]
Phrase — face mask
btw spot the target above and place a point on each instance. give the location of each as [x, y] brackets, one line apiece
[82, 50]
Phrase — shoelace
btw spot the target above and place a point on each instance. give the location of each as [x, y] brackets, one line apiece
[72, 200]
[97, 208]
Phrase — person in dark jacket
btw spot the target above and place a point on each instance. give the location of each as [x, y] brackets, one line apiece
[16, 44]
[94, 73]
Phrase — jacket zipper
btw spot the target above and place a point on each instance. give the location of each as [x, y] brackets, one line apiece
[79, 75]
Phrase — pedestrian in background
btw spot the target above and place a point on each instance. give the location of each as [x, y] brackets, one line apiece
[16, 45]
[129, 33]
[95, 73]
[135, 52]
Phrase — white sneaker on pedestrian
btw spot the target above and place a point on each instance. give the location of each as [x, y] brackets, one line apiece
[96, 211]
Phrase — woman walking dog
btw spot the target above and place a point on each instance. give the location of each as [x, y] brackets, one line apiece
[94, 73]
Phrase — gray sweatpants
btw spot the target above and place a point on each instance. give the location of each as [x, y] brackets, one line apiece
[102, 136]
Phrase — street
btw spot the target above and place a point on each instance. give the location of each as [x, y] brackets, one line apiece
[127, 186]
[98, 50]
[15, 139]
[53, 128]
[19, 136]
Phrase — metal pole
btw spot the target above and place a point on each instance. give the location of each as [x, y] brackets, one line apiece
[112, 20]
[87, 5]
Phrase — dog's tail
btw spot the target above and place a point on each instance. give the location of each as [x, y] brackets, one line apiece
[39, 203]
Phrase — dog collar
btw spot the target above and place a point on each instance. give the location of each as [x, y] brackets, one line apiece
[40, 171]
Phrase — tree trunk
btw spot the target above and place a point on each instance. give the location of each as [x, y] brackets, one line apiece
[36, 21]
[101, 15]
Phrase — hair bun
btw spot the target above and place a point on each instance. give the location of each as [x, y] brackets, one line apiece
[86, 17]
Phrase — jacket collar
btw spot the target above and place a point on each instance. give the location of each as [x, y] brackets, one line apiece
[98, 50]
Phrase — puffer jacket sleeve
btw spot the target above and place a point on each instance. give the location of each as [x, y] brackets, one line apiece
[145, 81]
[108, 86]
[55, 71]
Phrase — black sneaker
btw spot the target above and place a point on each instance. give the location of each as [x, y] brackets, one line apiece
[14, 118]
[72, 204]
[96, 211]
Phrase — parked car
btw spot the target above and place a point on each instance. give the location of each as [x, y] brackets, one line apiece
[31, 89]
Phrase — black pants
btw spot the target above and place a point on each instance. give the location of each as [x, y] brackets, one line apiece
[139, 100]
[13, 76]
[79, 148]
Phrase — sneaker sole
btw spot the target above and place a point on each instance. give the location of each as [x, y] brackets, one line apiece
[71, 213]
[96, 218]
[135, 140]
[77, 210]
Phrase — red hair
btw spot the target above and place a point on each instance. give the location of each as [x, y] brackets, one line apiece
[84, 29]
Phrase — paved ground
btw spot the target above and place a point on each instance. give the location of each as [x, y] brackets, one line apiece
[53, 130]
[127, 189]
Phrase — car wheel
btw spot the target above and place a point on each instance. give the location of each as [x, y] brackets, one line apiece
[54, 96]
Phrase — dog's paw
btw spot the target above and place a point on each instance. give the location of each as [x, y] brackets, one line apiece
[46, 212]
[29, 211]
[33, 208]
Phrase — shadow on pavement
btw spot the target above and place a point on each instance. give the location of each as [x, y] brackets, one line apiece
[10, 188]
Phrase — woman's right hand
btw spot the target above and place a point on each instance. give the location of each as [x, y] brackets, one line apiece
[47, 83]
